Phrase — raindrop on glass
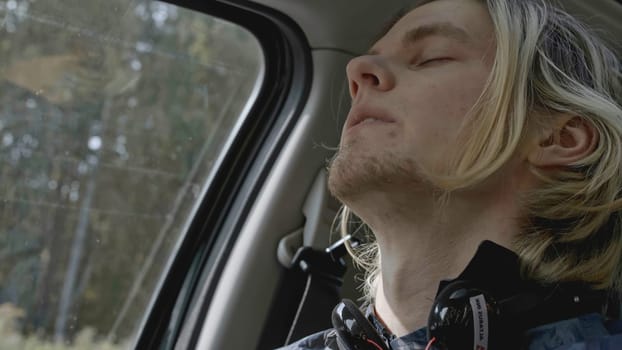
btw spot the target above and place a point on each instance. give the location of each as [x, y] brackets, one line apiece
[95, 143]
[7, 139]
[136, 65]
[31, 103]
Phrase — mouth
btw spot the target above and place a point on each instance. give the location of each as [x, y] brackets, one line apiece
[360, 116]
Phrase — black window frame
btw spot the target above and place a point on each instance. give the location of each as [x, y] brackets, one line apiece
[200, 259]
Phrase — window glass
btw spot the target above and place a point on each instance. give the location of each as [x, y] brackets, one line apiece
[112, 115]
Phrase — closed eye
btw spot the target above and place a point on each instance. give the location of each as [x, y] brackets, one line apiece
[434, 61]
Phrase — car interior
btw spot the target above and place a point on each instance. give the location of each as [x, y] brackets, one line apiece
[249, 268]
[294, 200]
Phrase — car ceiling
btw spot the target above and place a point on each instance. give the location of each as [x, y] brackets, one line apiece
[331, 24]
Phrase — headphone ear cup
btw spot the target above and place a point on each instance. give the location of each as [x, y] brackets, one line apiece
[353, 328]
[463, 317]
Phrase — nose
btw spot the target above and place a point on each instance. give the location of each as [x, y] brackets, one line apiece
[370, 72]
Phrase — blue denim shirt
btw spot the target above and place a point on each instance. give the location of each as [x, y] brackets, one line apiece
[587, 332]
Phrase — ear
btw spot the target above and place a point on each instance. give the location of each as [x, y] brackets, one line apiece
[568, 140]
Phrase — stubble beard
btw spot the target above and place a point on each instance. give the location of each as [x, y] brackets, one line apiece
[353, 173]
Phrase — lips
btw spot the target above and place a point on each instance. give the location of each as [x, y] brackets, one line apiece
[360, 115]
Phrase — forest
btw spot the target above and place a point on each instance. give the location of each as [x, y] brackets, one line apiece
[112, 115]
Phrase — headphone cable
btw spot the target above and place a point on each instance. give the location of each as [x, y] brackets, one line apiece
[429, 346]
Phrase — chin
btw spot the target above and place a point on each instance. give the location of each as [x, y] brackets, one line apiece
[351, 175]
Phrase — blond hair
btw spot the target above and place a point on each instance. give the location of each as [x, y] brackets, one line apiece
[547, 63]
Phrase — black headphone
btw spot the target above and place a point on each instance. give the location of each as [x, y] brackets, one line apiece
[467, 317]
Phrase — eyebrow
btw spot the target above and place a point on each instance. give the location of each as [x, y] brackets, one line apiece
[444, 29]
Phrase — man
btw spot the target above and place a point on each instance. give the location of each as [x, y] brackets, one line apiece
[477, 121]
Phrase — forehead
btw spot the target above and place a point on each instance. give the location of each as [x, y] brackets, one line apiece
[468, 16]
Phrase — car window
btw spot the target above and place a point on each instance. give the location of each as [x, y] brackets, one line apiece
[112, 116]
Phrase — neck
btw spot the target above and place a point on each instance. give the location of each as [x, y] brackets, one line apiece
[424, 243]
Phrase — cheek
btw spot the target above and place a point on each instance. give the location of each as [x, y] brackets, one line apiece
[435, 115]
[438, 113]
[449, 100]
[461, 96]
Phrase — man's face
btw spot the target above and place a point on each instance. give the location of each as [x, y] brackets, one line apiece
[410, 95]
